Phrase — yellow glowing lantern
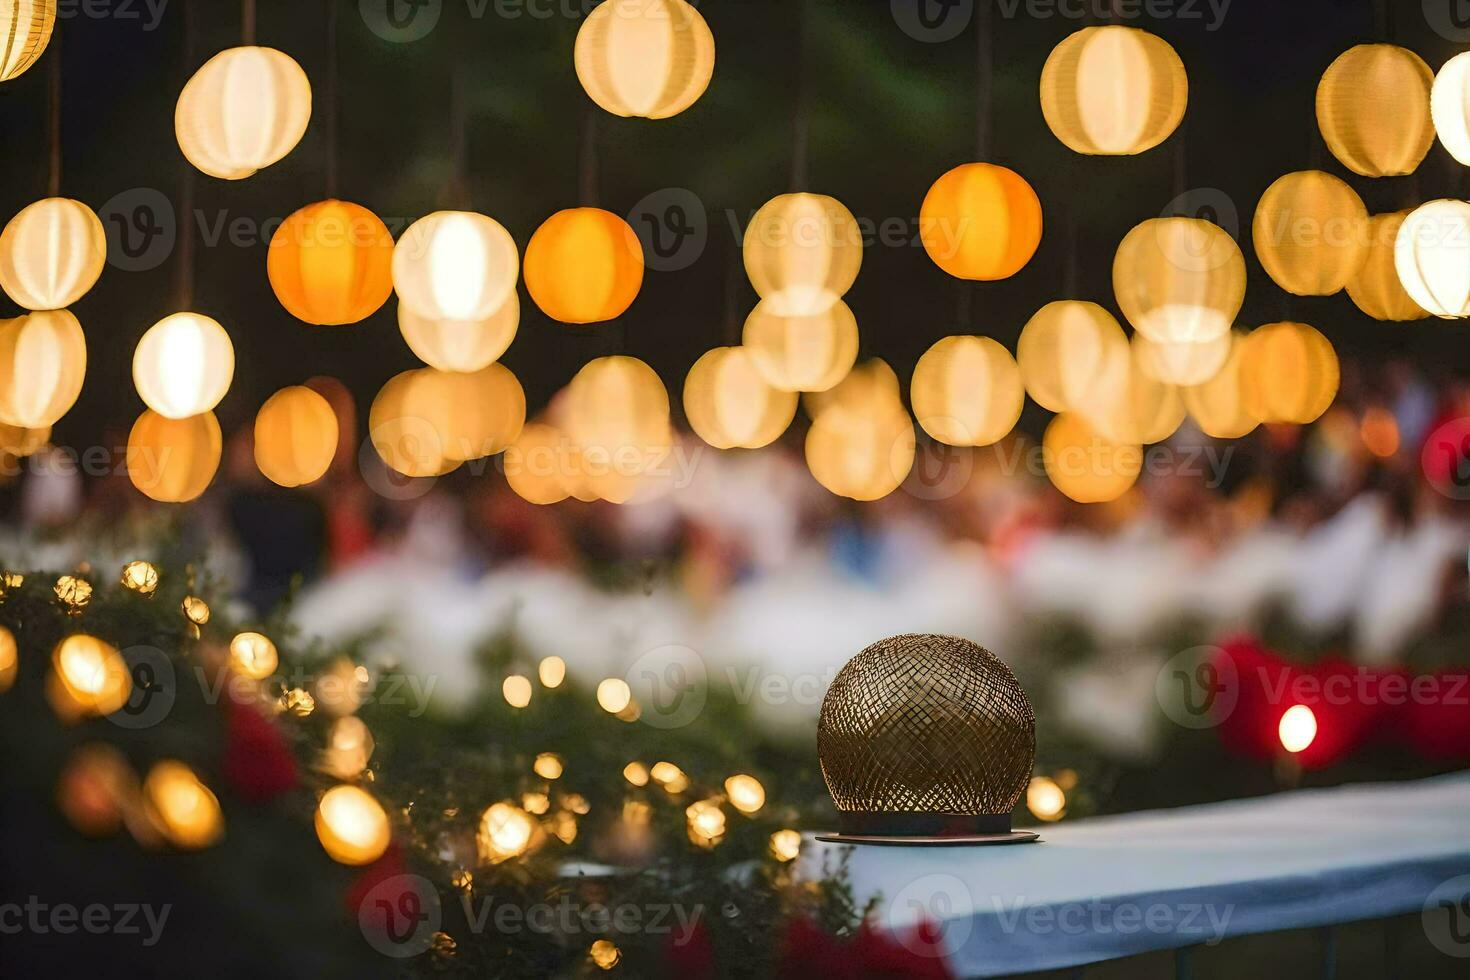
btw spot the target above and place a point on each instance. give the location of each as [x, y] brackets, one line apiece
[617, 412]
[537, 464]
[746, 793]
[181, 807]
[1449, 106]
[863, 454]
[1310, 233]
[51, 253]
[802, 353]
[802, 253]
[584, 265]
[548, 765]
[869, 384]
[253, 655]
[461, 345]
[1297, 729]
[1129, 406]
[1045, 799]
[93, 676]
[352, 826]
[785, 845]
[403, 437]
[652, 59]
[1181, 362]
[1218, 406]
[455, 265]
[173, 460]
[613, 695]
[331, 263]
[9, 659]
[25, 30]
[1065, 348]
[730, 405]
[1376, 289]
[1113, 90]
[1432, 257]
[506, 831]
[43, 361]
[243, 110]
[183, 365]
[636, 773]
[1289, 373]
[140, 577]
[20, 441]
[1179, 279]
[295, 437]
[552, 671]
[1084, 464]
[517, 690]
[1373, 109]
[980, 221]
[475, 415]
[967, 391]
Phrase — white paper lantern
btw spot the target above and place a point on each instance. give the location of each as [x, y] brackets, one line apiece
[461, 345]
[243, 110]
[1432, 255]
[730, 405]
[1113, 90]
[651, 58]
[1179, 279]
[455, 265]
[802, 253]
[51, 253]
[1449, 106]
[43, 359]
[967, 391]
[183, 365]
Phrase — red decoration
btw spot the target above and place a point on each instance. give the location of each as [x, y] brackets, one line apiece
[807, 951]
[691, 955]
[258, 763]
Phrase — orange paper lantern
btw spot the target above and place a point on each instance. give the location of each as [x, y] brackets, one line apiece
[980, 221]
[173, 460]
[295, 437]
[584, 265]
[331, 263]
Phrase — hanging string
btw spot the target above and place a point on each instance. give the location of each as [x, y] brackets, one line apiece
[984, 82]
[734, 273]
[247, 21]
[332, 97]
[801, 123]
[459, 192]
[1181, 162]
[1069, 282]
[184, 288]
[53, 177]
[588, 184]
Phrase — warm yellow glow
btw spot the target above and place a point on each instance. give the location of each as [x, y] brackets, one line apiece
[20, 442]
[295, 437]
[331, 263]
[785, 845]
[1373, 109]
[706, 822]
[426, 422]
[94, 786]
[92, 673]
[670, 777]
[181, 807]
[461, 345]
[967, 391]
[517, 690]
[730, 405]
[1045, 799]
[746, 793]
[802, 254]
[52, 252]
[1085, 465]
[1129, 406]
[352, 826]
[535, 803]
[1217, 405]
[243, 110]
[539, 464]
[980, 221]
[584, 265]
[1113, 90]
[636, 773]
[1449, 106]
[869, 385]
[552, 671]
[802, 353]
[349, 747]
[1380, 432]
[617, 414]
[1311, 233]
[864, 454]
[25, 30]
[653, 58]
[505, 832]
[43, 361]
[298, 702]
[1065, 349]
[196, 610]
[1298, 728]
[548, 765]
[183, 365]
[140, 577]
[455, 265]
[1432, 257]
[605, 953]
[1179, 279]
[253, 655]
[173, 460]
[1181, 362]
[1288, 373]
[563, 826]
[73, 592]
[1376, 288]
[9, 659]
[613, 695]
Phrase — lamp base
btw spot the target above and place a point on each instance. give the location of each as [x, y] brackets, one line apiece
[962, 840]
[925, 829]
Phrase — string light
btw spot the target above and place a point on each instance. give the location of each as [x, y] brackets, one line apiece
[548, 765]
[73, 592]
[605, 954]
[516, 690]
[613, 695]
[785, 845]
[1297, 729]
[552, 671]
[706, 823]
[506, 832]
[253, 655]
[670, 777]
[140, 577]
[1045, 799]
[746, 793]
[352, 826]
[636, 773]
[181, 807]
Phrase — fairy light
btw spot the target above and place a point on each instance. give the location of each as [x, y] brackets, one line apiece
[552, 671]
[1298, 728]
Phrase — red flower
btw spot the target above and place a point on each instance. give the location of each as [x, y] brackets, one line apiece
[874, 954]
[258, 763]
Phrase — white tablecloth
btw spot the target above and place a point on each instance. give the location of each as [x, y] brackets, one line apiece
[1117, 886]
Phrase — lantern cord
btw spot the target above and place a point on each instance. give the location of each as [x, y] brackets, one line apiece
[587, 162]
[185, 286]
[1383, 18]
[1181, 163]
[734, 270]
[801, 122]
[1070, 281]
[984, 82]
[53, 177]
[458, 149]
[333, 87]
[247, 21]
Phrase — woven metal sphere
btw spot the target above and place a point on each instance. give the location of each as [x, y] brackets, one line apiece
[926, 724]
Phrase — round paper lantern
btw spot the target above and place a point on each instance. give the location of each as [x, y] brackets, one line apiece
[1131, 407]
[1311, 233]
[584, 265]
[331, 263]
[474, 415]
[537, 464]
[244, 109]
[1181, 362]
[1376, 288]
[652, 59]
[25, 30]
[1288, 373]
[1179, 279]
[802, 353]
[183, 365]
[352, 826]
[864, 455]
[461, 345]
[617, 412]
[730, 405]
[1449, 106]
[871, 383]
[967, 391]
[43, 360]
[1065, 348]
[455, 265]
[980, 221]
[295, 437]
[1432, 257]
[1113, 90]
[1373, 109]
[173, 460]
[802, 253]
[51, 253]
[1218, 406]
[1084, 464]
